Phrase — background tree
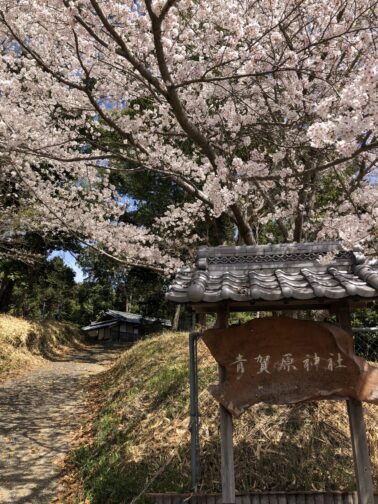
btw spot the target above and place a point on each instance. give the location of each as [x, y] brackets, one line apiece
[136, 290]
[41, 292]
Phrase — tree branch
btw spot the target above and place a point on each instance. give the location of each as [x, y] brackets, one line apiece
[124, 50]
[164, 11]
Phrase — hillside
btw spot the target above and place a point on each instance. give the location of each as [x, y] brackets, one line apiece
[138, 441]
[24, 344]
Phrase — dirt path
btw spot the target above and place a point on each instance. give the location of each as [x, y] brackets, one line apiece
[37, 413]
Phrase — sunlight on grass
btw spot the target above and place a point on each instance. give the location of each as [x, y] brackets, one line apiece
[140, 440]
[24, 343]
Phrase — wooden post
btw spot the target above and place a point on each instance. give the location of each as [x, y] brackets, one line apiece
[226, 431]
[360, 445]
[194, 414]
[176, 318]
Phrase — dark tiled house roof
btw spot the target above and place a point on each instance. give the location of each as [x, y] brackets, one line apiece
[112, 317]
[100, 325]
[301, 271]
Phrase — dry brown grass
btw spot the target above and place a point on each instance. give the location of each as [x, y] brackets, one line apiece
[24, 344]
[139, 438]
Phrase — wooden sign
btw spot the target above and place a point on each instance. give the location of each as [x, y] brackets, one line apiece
[282, 361]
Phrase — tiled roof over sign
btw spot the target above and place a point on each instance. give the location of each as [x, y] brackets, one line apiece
[275, 272]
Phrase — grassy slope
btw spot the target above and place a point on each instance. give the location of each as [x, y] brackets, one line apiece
[24, 344]
[139, 437]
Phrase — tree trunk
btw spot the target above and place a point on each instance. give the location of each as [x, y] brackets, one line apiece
[244, 228]
[6, 290]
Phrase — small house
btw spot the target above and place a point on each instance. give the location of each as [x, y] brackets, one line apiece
[124, 326]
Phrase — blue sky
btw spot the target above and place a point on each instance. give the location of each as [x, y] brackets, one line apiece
[70, 260]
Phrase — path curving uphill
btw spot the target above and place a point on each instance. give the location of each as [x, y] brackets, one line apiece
[38, 411]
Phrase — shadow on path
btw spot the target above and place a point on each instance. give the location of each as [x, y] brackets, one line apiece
[37, 413]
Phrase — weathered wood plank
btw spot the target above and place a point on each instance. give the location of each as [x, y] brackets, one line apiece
[267, 498]
[212, 499]
[348, 498]
[329, 498]
[319, 498]
[255, 499]
[301, 499]
[273, 499]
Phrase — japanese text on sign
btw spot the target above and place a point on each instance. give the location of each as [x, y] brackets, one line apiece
[288, 363]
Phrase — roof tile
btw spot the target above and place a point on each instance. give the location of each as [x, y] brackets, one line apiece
[275, 272]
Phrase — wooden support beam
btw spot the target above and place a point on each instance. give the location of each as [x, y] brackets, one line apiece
[226, 431]
[360, 445]
[361, 454]
[282, 305]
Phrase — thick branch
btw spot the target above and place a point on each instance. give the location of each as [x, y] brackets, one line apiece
[124, 50]
[166, 8]
[172, 97]
[269, 202]
[243, 227]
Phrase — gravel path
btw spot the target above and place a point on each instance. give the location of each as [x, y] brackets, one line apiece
[38, 411]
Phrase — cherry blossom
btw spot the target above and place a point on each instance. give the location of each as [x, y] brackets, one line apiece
[254, 109]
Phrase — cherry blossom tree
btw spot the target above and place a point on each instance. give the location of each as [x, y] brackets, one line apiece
[256, 109]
